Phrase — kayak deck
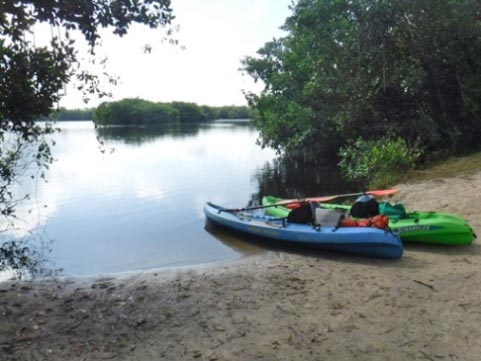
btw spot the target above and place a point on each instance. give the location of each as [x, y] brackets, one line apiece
[422, 227]
[364, 241]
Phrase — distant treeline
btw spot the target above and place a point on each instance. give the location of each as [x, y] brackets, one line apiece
[62, 114]
[143, 112]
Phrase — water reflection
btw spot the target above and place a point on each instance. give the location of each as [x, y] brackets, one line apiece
[27, 257]
[141, 207]
[234, 240]
[287, 178]
[141, 134]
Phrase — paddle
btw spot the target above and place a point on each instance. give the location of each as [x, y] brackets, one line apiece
[378, 193]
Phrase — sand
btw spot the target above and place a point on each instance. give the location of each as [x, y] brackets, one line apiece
[272, 306]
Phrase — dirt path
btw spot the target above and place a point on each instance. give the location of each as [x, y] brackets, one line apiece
[276, 306]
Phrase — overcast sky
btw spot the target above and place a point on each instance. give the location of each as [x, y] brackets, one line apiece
[216, 34]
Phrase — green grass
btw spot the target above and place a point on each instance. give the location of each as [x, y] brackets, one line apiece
[452, 167]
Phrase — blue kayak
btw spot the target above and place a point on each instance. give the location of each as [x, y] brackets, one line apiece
[365, 241]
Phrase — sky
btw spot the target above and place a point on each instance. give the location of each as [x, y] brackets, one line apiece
[216, 35]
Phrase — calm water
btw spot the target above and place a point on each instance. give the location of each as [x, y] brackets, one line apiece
[135, 201]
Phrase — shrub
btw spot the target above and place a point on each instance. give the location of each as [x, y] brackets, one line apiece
[377, 163]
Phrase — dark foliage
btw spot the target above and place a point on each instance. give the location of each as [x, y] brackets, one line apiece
[371, 69]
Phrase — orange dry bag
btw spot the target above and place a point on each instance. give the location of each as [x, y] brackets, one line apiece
[378, 221]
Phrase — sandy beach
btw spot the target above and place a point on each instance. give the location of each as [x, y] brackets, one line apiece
[273, 306]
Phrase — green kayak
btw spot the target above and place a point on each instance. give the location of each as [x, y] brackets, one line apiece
[421, 227]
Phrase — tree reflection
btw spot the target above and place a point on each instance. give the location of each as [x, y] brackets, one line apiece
[288, 178]
[137, 135]
[20, 169]
[26, 257]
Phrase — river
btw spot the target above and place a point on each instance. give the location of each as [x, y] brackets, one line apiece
[130, 199]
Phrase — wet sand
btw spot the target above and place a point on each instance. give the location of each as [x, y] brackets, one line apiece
[273, 306]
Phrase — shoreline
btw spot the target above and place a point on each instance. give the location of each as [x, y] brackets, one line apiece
[276, 305]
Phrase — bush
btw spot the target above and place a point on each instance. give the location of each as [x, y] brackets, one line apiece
[377, 163]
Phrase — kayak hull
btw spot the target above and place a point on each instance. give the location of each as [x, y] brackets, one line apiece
[356, 240]
[421, 227]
